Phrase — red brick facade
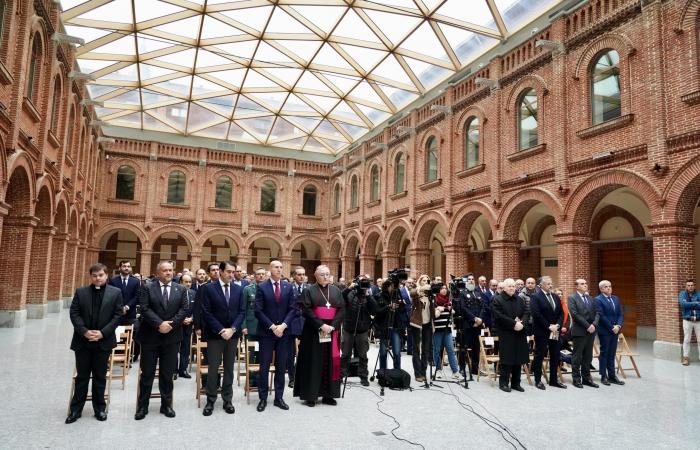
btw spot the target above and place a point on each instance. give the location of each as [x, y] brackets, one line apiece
[58, 193]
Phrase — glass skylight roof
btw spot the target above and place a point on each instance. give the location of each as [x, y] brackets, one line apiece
[312, 75]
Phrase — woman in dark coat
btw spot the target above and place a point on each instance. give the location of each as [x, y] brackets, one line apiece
[510, 316]
[318, 362]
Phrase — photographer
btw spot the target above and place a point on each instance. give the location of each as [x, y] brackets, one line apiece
[389, 322]
[359, 304]
[472, 322]
[422, 315]
[442, 338]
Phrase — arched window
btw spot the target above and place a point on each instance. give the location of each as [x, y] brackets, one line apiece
[69, 134]
[336, 199]
[399, 172]
[176, 188]
[55, 105]
[309, 201]
[2, 22]
[374, 184]
[353, 192]
[605, 87]
[471, 143]
[224, 191]
[527, 120]
[126, 182]
[431, 160]
[267, 196]
[34, 66]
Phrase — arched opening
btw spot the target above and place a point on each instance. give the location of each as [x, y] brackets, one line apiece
[474, 254]
[429, 249]
[336, 247]
[622, 253]
[171, 247]
[37, 306]
[538, 251]
[219, 248]
[352, 258]
[307, 254]
[58, 256]
[118, 245]
[16, 241]
[262, 251]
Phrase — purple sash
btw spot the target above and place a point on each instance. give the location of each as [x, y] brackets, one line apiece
[324, 313]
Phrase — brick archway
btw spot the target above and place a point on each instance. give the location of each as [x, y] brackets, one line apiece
[517, 207]
[682, 194]
[37, 305]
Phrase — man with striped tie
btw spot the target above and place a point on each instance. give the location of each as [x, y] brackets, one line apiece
[585, 317]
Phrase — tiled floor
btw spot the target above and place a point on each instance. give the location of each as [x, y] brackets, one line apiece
[660, 410]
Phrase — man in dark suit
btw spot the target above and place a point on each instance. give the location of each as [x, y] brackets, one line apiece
[130, 288]
[238, 278]
[585, 319]
[95, 313]
[163, 308]
[275, 308]
[213, 271]
[297, 325]
[510, 316]
[548, 316]
[199, 280]
[223, 310]
[186, 344]
[610, 310]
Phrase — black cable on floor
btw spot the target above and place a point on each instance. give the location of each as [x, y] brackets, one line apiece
[398, 425]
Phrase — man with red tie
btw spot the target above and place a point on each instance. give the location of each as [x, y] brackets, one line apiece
[275, 308]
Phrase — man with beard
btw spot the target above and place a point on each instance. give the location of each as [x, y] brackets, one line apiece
[510, 316]
[472, 322]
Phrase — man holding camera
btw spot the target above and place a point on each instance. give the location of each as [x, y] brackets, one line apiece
[359, 304]
[391, 319]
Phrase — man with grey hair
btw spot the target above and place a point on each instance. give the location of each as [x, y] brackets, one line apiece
[529, 289]
[510, 316]
[548, 317]
[610, 311]
[585, 317]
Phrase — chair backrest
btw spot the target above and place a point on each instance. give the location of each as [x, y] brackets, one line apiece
[488, 349]
[201, 345]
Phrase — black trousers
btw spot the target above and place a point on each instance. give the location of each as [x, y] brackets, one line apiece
[583, 355]
[185, 347]
[220, 349]
[280, 346]
[360, 343]
[470, 338]
[90, 361]
[510, 374]
[291, 357]
[422, 348]
[165, 357]
[543, 345]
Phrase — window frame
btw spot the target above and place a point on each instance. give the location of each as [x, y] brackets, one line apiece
[35, 62]
[592, 84]
[218, 192]
[429, 151]
[467, 141]
[530, 91]
[119, 178]
[304, 194]
[55, 104]
[337, 199]
[172, 201]
[374, 183]
[271, 188]
[399, 163]
[354, 190]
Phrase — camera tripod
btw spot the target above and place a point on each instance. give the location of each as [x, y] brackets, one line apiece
[385, 335]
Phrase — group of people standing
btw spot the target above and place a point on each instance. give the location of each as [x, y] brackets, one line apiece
[220, 310]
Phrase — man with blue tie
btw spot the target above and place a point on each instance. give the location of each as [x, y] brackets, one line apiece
[610, 311]
[585, 318]
[223, 311]
[130, 291]
[275, 308]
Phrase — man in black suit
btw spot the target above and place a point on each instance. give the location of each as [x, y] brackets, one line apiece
[548, 316]
[186, 344]
[297, 325]
[223, 311]
[163, 308]
[275, 308]
[95, 313]
[238, 278]
[585, 317]
[130, 288]
[213, 272]
[200, 278]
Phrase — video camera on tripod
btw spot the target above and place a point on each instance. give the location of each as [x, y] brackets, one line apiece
[363, 286]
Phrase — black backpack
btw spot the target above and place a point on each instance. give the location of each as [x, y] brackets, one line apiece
[394, 379]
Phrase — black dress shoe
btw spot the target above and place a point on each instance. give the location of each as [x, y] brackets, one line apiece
[262, 404]
[517, 388]
[604, 380]
[167, 411]
[329, 401]
[101, 416]
[140, 413]
[590, 383]
[364, 382]
[175, 376]
[228, 407]
[280, 404]
[558, 384]
[291, 384]
[540, 385]
[617, 381]
[309, 403]
[504, 388]
[578, 384]
[185, 375]
[208, 409]
[73, 416]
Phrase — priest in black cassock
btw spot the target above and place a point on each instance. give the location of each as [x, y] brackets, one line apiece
[318, 362]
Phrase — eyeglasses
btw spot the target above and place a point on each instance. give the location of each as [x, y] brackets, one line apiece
[324, 275]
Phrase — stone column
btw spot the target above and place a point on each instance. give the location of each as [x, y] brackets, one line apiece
[333, 264]
[574, 259]
[37, 305]
[348, 268]
[14, 267]
[506, 259]
[81, 270]
[195, 260]
[243, 259]
[57, 267]
[287, 267]
[674, 254]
